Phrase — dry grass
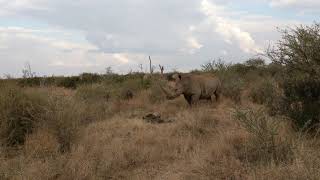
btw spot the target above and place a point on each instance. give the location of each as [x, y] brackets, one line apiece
[114, 142]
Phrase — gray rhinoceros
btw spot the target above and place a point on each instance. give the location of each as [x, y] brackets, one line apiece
[193, 87]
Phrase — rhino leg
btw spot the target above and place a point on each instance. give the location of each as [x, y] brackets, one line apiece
[195, 99]
[217, 94]
[214, 98]
[188, 98]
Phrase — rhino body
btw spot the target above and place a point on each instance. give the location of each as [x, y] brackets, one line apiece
[193, 87]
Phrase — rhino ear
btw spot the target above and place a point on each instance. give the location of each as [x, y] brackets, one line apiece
[176, 77]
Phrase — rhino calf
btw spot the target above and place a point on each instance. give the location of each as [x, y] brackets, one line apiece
[193, 87]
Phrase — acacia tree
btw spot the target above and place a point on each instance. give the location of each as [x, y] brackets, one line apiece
[298, 52]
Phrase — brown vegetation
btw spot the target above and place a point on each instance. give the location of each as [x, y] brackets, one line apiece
[108, 139]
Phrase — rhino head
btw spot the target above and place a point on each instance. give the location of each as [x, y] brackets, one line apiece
[173, 88]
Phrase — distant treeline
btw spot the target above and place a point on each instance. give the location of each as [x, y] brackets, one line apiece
[73, 81]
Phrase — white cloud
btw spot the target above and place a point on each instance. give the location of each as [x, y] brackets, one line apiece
[300, 8]
[224, 52]
[11, 7]
[295, 3]
[51, 56]
[227, 29]
[193, 43]
[121, 58]
[176, 33]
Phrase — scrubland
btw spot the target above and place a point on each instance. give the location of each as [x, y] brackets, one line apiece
[265, 126]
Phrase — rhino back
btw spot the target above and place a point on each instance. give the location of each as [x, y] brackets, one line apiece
[203, 85]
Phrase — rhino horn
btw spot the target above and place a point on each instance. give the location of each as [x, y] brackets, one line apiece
[167, 92]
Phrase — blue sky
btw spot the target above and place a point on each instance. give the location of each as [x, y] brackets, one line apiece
[61, 37]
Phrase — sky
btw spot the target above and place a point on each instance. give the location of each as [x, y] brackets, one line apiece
[66, 37]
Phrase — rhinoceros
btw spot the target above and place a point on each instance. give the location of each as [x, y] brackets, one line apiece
[193, 87]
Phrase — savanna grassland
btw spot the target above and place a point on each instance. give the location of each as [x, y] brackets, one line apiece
[265, 126]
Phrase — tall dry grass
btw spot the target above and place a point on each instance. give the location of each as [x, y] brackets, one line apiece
[77, 134]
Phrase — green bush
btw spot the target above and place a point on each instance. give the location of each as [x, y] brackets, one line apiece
[131, 86]
[23, 111]
[255, 63]
[263, 91]
[20, 111]
[156, 94]
[113, 79]
[264, 144]
[89, 78]
[275, 70]
[232, 86]
[93, 93]
[64, 117]
[30, 82]
[302, 101]
[298, 53]
[68, 82]
[239, 68]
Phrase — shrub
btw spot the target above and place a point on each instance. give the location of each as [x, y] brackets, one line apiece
[64, 118]
[113, 79]
[156, 94]
[232, 86]
[24, 111]
[239, 68]
[68, 82]
[275, 70]
[298, 51]
[19, 112]
[264, 145]
[93, 93]
[89, 78]
[255, 63]
[263, 91]
[302, 101]
[130, 86]
[215, 66]
[30, 82]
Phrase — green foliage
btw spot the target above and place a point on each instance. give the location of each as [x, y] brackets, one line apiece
[255, 63]
[275, 70]
[64, 117]
[215, 66]
[263, 91]
[30, 82]
[93, 93]
[156, 94]
[22, 111]
[264, 144]
[19, 112]
[302, 101]
[90, 78]
[68, 82]
[232, 86]
[298, 51]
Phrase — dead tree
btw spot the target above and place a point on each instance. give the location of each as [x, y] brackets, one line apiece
[151, 67]
[161, 69]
